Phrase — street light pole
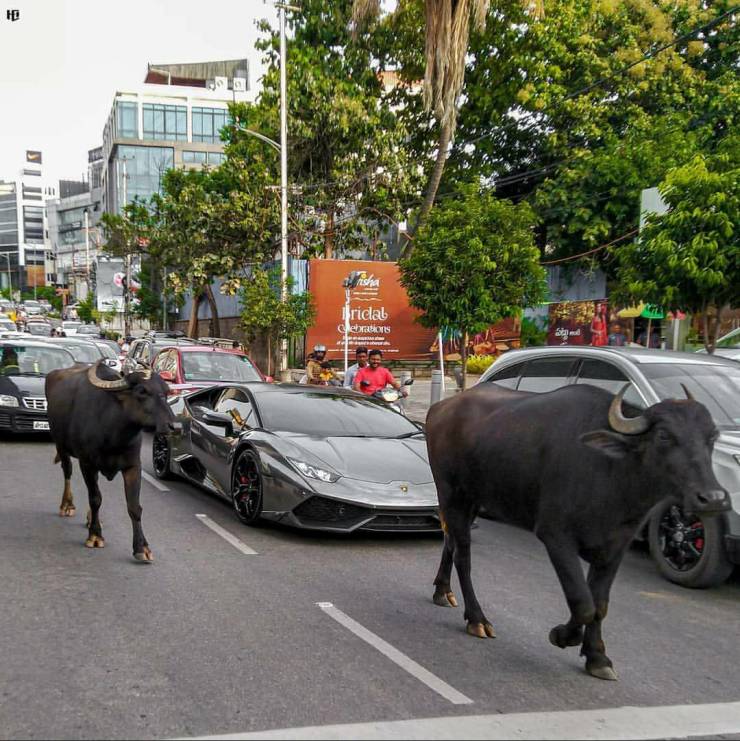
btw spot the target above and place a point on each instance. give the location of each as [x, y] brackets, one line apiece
[127, 289]
[283, 185]
[87, 249]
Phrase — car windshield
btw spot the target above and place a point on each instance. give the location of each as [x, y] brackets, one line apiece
[83, 353]
[71, 325]
[715, 386]
[38, 328]
[20, 360]
[330, 415]
[218, 366]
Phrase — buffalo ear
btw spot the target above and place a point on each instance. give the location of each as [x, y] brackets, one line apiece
[611, 444]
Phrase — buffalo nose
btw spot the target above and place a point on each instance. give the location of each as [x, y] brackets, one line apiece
[715, 499]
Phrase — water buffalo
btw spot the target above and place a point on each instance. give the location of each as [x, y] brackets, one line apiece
[578, 468]
[97, 416]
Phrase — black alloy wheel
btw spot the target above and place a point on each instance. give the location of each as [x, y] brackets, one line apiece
[688, 550]
[161, 456]
[246, 490]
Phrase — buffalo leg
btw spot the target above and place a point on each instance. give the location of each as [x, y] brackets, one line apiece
[95, 532]
[67, 506]
[443, 594]
[600, 579]
[132, 484]
[564, 558]
[458, 525]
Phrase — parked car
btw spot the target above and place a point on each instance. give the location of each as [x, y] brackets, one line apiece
[687, 550]
[193, 366]
[312, 457]
[24, 364]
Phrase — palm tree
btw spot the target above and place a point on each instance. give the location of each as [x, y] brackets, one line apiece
[448, 24]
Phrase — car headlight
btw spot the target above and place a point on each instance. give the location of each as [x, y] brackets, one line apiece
[8, 401]
[314, 472]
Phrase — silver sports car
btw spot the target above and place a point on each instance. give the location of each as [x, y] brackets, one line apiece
[321, 458]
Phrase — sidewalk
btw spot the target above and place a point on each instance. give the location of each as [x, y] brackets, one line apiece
[418, 401]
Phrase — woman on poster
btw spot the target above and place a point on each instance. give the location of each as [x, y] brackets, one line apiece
[598, 326]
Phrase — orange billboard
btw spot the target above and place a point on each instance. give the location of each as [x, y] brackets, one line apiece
[379, 312]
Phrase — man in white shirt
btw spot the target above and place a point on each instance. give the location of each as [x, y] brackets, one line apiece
[361, 358]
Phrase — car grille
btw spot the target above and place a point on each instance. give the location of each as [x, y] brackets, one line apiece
[403, 522]
[35, 402]
[4, 419]
[318, 510]
[25, 421]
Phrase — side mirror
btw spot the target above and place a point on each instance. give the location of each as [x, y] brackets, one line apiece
[167, 376]
[218, 419]
[408, 382]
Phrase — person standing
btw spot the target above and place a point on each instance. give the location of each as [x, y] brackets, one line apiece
[617, 338]
[374, 377]
[360, 362]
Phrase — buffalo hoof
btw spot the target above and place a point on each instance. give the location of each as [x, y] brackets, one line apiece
[146, 556]
[562, 636]
[481, 630]
[444, 599]
[602, 672]
[95, 541]
[67, 510]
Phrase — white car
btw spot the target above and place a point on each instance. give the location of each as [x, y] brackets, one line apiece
[70, 328]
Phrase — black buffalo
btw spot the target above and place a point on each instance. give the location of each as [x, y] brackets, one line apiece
[97, 416]
[578, 469]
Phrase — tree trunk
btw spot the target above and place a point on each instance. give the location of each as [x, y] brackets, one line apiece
[445, 135]
[711, 329]
[215, 323]
[269, 355]
[329, 237]
[464, 354]
[193, 322]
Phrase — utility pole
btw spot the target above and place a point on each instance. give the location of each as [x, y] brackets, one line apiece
[282, 7]
[87, 249]
[127, 258]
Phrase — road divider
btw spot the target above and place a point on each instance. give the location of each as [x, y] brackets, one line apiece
[397, 657]
[227, 536]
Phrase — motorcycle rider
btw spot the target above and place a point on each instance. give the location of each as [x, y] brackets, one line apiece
[374, 377]
[315, 374]
[361, 358]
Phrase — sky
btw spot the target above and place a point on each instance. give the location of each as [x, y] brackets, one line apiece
[62, 61]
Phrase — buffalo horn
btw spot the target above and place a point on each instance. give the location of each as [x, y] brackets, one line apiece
[688, 393]
[117, 385]
[620, 423]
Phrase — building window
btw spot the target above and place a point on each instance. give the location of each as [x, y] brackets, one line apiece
[165, 122]
[127, 126]
[193, 158]
[207, 124]
[216, 158]
[145, 169]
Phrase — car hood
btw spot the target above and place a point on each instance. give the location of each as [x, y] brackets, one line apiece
[22, 385]
[379, 460]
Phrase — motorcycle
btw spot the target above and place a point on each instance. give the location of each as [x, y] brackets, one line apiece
[393, 398]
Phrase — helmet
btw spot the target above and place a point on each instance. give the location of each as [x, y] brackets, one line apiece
[319, 348]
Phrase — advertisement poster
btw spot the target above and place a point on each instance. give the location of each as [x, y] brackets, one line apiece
[578, 323]
[380, 315]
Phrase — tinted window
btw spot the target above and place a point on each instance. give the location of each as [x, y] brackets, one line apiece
[326, 415]
[545, 374]
[608, 377]
[217, 366]
[715, 386]
[507, 377]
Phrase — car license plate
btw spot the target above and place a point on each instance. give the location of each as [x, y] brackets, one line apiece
[40, 425]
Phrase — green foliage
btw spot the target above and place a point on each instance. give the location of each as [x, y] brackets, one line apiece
[46, 293]
[533, 333]
[478, 363]
[86, 309]
[149, 303]
[689, 257]
[263, 313]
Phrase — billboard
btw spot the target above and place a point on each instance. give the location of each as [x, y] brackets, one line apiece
[380, 315]
[578, 323]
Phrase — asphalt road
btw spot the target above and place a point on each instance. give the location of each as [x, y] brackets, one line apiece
[210, 640]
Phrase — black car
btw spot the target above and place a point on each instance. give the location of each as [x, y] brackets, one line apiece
[146, 349]
[24, 365]
[311, 457]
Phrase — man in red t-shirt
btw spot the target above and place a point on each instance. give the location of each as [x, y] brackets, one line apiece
[376, 377]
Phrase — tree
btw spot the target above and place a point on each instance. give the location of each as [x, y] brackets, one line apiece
[263, 313]
[473, 264]
[689, 257]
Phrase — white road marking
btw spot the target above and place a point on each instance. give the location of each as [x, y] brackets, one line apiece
[227, 536]
[677, 721]
[416, 670]
[156, 484]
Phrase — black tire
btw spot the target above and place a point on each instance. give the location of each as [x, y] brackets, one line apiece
[161, 457]
[688, 551]
[246, 487]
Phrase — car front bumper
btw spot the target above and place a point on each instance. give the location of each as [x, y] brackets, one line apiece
[19, 419]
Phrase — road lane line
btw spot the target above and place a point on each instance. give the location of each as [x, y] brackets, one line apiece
[227, 536]
[677, 721]
[416, 670]
[156, 484]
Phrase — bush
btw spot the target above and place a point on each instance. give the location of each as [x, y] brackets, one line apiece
[477, 364]
[534, 333]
